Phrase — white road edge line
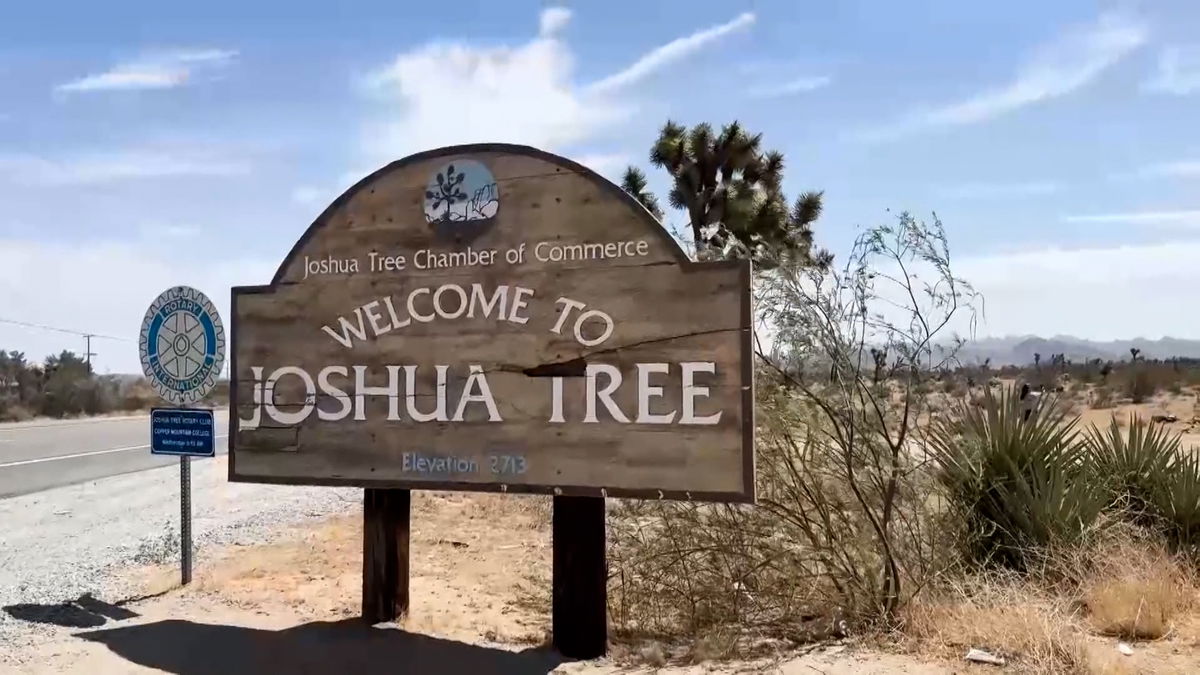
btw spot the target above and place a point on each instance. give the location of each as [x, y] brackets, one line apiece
[22, 426]
[84, 454]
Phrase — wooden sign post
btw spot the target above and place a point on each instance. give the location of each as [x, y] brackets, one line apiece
[495, 318]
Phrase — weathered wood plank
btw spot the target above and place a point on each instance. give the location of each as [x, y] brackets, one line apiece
[354, 295]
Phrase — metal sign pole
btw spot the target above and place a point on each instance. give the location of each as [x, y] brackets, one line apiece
[185, 517]
[182, 349]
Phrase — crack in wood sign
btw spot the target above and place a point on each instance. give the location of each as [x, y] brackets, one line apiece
[495, 318]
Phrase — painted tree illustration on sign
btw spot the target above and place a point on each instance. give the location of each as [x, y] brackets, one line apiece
[449, 191]
[461, 200]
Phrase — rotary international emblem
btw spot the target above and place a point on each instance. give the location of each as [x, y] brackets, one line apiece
[182, 345]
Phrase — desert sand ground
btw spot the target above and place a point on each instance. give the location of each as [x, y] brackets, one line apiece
[480, 591]
[480, 604]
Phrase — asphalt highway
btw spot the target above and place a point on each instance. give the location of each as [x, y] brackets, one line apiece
[43, 454]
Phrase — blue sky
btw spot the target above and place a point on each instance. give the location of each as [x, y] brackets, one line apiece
[148, 144]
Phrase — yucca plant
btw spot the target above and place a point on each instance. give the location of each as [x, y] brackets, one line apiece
[1132, 462]
[1176, 499]
[1019, 482]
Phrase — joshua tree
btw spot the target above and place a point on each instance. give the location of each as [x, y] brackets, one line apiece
[449, 190]
[634, 182]
[731, 191]
[1133, 354]
[1037, 360]
[879, 356]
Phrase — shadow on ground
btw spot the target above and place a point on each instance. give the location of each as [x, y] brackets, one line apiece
[86, 612]
[348, 646]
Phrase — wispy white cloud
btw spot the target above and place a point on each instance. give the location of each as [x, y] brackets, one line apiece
[799, 85]
[673, 51]
[307, 195]
[1054, 290]
[1057, 68]
[1180, 217]
[40, 282]
[1178, 71]
[530, 94]
[553, 20]
[998, 190]
[1183, 168]
[96, 168]
[159, 70]
[528, 90]
[171, 230]
[609, 165]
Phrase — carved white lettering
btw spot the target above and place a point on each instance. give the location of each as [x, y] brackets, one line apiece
[603, 395]
[361, 391]
[646, 391]
[348, 329]
[477, 378]
[691, 391]
[339, 395]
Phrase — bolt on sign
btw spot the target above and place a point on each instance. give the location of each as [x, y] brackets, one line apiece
[495, 318]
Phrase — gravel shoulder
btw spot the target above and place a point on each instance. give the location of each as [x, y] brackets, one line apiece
[58, 545]
[480, 604]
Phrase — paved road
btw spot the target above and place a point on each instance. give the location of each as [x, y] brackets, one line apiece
[40, 455]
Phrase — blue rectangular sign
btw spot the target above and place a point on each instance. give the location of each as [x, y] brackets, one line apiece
[181, 432]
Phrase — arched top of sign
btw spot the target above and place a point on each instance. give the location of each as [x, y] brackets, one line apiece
[463, 197]
[495, 317]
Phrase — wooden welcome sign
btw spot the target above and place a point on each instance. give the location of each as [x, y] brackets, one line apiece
[494, 317]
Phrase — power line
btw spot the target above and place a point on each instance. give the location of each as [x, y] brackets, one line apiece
[63, 330]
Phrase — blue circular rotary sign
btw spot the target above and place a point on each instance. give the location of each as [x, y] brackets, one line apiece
[182, 345]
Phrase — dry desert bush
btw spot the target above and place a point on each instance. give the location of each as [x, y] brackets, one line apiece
[845, 530]
[1000, 614]
[1118, 581]
[886, 501]
[1137, 590]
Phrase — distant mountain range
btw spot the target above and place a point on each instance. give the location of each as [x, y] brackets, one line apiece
[1019, 350]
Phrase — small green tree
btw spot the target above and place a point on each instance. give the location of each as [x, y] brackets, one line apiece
[64, 373]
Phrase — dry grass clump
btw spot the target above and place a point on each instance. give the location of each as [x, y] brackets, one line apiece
[15, 413]
[1002, 615]
[1117, 581]
[1133, 608]
[1137, 590]
[653, 655]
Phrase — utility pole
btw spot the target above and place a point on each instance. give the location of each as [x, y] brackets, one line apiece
[87, 352]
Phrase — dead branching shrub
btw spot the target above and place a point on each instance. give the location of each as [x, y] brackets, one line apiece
[1101, 398]
[687, 568]
[1140, 385]
[845, 530]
